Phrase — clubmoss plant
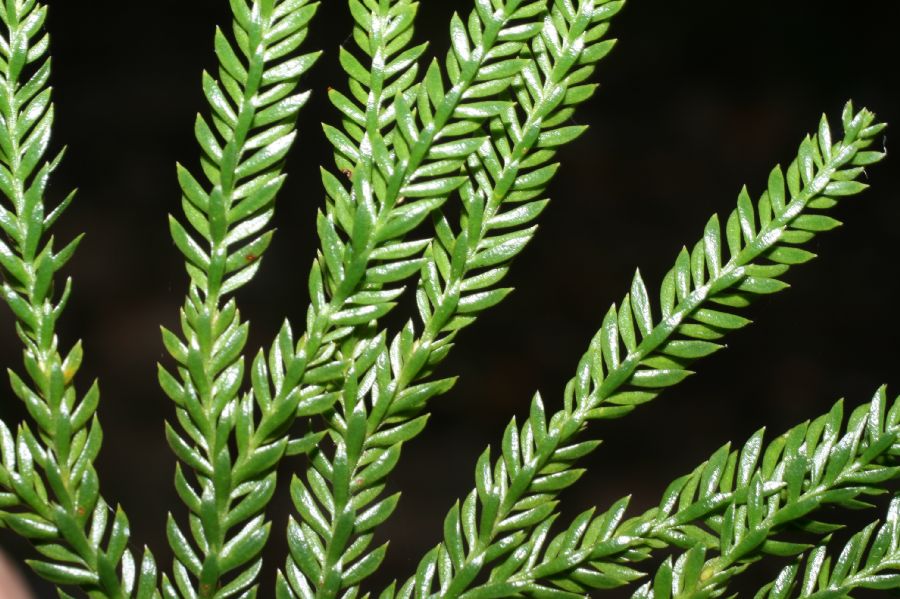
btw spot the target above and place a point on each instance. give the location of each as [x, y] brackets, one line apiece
[441, 168]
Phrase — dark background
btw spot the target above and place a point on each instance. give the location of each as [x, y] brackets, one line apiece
[698, 98]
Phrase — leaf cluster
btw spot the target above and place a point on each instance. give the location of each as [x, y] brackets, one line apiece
[440, 174]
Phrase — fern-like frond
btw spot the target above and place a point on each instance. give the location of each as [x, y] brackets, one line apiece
[463, 266]
[634, 356]
[251, 126]
[813, 464]
[510, 173]
[401, 168]
[384, 425]
[869, 560]
[736, 504]
[386, 379]
[231, 444]
[402, 155]
[49, 490]
[403, 162]
[388, 67]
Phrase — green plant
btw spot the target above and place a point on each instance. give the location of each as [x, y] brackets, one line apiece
[475, 134]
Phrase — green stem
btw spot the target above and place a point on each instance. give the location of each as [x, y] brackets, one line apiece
[716, 573]
[358, 256]
[208, 318]
[570, 422]
[54, 385]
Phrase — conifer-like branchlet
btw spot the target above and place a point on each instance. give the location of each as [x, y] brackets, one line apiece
[502, 179]
[732, 510]
[869, 560]
[811, 466]
[49, 490]
[231, 443]
[440, 174]
[636, 355]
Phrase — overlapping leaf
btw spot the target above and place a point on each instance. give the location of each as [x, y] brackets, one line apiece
[49, 490]
[230, 443]
[391, 414]
[738, 504]
[815, 465]
[869, 560]
[401, 168]
[634, 356]
[399, 157]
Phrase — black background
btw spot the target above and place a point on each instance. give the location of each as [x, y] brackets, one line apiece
[698, 98]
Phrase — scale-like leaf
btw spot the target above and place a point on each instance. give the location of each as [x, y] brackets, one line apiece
[49, 490]
[734, 507]
[480, 261]
[594, 392]
[251, 127]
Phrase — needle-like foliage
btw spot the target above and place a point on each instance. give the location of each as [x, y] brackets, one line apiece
[635, 355]
[385, 403]
[736, 508]
[441, 170]
[737, 504]
[49, 490]
[869, 560]
[231, 443]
